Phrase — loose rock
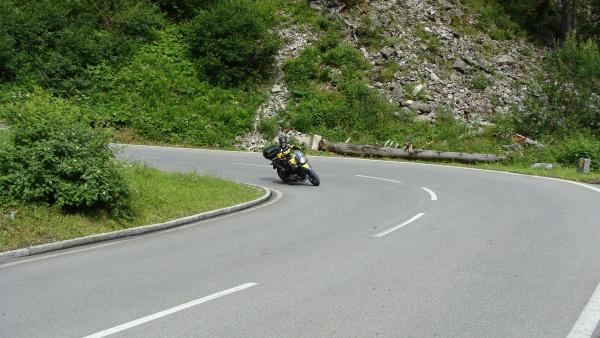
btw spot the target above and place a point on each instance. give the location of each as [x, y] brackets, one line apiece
[504, 60]
[460, 65]
[547, 166]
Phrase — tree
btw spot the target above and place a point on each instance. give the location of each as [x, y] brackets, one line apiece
[231, 42]
[568, 16]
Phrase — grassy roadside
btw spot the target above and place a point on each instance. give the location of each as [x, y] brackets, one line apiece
[564, 172]
[156, 197]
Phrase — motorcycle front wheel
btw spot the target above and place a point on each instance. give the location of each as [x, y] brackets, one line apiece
[313, 178]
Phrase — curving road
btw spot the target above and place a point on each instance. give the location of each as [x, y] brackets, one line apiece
[379, 249]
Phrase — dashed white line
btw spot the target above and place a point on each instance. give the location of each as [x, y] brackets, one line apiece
[167, 312]
[432, 194]
[378, 178]
[589, 318]
[253, 165]
[385, 232]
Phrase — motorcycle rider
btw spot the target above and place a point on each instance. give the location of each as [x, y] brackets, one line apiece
[285, 151]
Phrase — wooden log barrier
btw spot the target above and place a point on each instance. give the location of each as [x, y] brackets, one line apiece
[369, 150]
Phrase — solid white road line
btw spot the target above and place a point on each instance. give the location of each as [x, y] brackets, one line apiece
[378, 178]
[589, 319]
[253, 165]
[431, 194]
[385, 232]
[59, 254]
[167, 312]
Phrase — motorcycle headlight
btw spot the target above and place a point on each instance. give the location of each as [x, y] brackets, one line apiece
[302, 160]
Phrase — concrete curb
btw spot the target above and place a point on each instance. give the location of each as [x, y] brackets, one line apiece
[42, 248]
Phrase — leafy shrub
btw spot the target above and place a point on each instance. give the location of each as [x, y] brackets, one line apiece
[53, 41]
[577, 147]
[231, 42]
[53, 158]
[319, 109]
[480, 81]
[268, 127]
[570, 97]
[302, 69]
[494, 19]
[369, 32]
[159, 95]
[345, 55]
[388, 70]
[330, 91]
[303, 14]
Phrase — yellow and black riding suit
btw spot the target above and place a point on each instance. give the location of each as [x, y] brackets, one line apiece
[286, 153]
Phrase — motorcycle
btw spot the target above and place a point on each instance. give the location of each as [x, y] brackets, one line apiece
[292, 170]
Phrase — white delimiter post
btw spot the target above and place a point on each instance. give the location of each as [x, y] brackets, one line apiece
[316, 139]
[584, 165]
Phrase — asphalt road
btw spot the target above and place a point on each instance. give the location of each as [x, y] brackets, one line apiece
[484, 255]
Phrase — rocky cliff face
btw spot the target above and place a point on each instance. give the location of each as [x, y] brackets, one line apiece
[438, 65]
[426, 57]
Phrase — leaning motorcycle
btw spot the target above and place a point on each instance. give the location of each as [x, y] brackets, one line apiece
[295, 169]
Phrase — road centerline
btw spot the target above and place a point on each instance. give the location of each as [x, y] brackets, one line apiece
[432, 194]
[378, 178]
[392, 229]
[169, 311]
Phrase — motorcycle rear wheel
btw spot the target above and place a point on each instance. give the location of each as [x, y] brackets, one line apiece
[283, 176]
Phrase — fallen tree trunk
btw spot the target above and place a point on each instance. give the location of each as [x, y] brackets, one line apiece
[369, 150]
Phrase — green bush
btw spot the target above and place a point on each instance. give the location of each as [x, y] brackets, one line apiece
[480, 81]
[494, 19]
[268, 128]
[369, 33]
[345, 55]
[320, 108]
[53, 158]
[580, 146]
[231, 42]
[570, 99]
[330, 92]
[388, 71]
[302, 69]
[53, 41]
[159, 95]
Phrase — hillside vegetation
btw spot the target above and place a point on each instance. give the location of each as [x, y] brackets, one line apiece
[447, 75]
[76, 73]
[162, 71]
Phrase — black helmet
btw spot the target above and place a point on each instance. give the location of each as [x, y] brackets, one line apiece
[283, 141]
